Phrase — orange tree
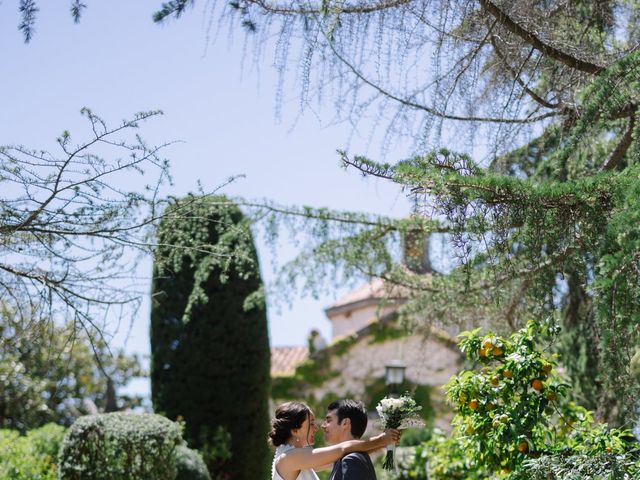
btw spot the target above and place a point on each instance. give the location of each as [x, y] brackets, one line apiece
[513, 407]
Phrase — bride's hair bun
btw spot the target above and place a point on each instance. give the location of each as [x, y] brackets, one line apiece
[289, 416]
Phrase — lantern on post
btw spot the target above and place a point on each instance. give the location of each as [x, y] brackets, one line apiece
[394, 375]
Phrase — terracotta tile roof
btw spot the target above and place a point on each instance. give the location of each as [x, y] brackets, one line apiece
[285, 359]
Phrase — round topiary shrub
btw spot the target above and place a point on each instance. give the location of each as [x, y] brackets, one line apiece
[189, 465]
[120, 446]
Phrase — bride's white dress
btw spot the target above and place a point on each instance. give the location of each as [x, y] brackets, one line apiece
[304, 474]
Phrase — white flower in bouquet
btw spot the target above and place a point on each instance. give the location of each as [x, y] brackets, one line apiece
[398, 413]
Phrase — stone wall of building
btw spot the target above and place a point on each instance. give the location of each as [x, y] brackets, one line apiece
[429, 362]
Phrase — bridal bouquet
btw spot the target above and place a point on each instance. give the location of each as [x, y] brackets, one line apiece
[398, 413]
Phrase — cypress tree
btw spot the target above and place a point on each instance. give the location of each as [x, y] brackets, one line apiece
[209, 342]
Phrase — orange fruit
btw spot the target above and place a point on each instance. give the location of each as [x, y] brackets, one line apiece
[536, 384]
[523, 447]
[546, 368]
[497, 351]
[609, 449]
[473, 404]
[507, 374]
[495, 381]
[483, 352]
[487, 344]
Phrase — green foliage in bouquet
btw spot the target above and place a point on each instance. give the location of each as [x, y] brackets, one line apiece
[211, 360]
[120, 446]
[31, 456]
[514, 416]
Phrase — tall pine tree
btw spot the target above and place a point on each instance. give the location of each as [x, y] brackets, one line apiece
[209, 340]
[525, 121]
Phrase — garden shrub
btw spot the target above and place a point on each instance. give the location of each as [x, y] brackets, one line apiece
[444, 457]
[32, 456]
[120, 446]
[515, 419]
[189, 465]
[603, 466]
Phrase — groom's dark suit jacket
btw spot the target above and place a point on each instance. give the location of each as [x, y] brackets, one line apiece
[353, 466]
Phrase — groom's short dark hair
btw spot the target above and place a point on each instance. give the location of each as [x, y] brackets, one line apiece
[354, 411]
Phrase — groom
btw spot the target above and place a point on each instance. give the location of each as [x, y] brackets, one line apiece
[347, 420]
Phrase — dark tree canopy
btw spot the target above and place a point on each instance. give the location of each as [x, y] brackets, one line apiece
[209, 342]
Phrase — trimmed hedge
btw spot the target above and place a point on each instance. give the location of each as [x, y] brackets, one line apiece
[32, 456]
[120, 446]
[189, 465]
[209, 341]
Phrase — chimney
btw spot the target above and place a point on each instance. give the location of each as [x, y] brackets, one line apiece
[416, 251]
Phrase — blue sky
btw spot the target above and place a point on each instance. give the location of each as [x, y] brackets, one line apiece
[117, 62]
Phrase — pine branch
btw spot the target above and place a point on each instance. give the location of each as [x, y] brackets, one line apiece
[355, 9]
[174, 7]
[28, 11]
[517, 78]
[621, 149]
[76, 10]
[537, 43]
[408, 102]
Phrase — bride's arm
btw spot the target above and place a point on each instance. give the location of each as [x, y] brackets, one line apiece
[305, 458]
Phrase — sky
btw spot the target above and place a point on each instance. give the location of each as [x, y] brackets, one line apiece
[117, 62]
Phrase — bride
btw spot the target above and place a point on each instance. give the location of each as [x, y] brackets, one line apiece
[292, 430]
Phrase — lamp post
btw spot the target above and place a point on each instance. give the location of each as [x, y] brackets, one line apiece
[394, 375]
